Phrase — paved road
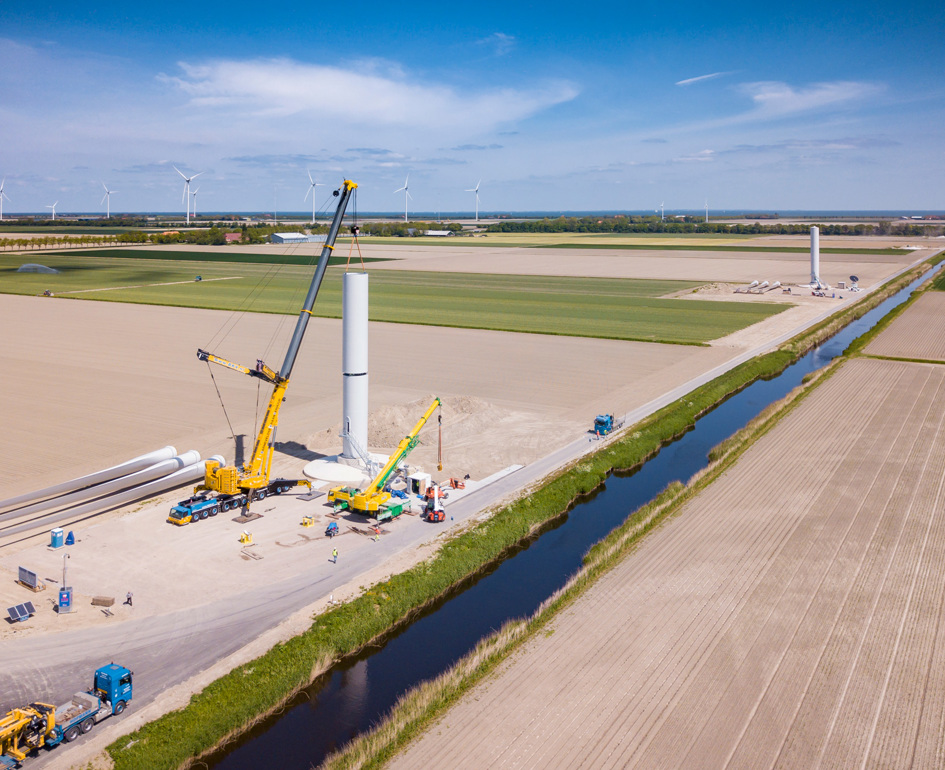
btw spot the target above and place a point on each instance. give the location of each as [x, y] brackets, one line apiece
[166, 650]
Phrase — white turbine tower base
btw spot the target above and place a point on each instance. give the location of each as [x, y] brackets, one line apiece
[354, 362]
[311, 191]
[407, 194]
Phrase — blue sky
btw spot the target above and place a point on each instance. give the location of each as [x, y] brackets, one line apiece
[553, 106]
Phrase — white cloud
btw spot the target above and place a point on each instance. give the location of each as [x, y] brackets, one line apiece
[281, 87]
[775, 98]
[703, 156]
[500, 42]
[700, 78]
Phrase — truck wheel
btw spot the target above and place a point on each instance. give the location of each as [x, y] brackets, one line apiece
[214, 511]
[119, 707]
[71, 734]
[262, 494]
[87, 725]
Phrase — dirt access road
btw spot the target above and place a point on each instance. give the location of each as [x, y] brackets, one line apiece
[792, 615]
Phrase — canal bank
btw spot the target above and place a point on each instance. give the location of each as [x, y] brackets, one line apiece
[518, 524]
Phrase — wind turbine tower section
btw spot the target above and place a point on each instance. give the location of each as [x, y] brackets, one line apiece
[815, 256]
[354, 363]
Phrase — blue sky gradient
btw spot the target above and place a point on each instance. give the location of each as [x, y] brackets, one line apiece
[553, 106]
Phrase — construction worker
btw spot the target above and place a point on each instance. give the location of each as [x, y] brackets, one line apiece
[334, 555]
[128, 599]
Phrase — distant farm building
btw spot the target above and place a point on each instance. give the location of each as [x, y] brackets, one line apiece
[439, 233]
[296, 238]
[233, 237]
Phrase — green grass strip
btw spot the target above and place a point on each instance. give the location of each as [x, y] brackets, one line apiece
[712, 247]
[236, 257]
[236, 701]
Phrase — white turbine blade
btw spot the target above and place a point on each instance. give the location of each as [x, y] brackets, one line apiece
[179, 172]
[309, 190]
[194, 177]
[399, 189]
[196, 191]
[407, 193]
[105, 186]
[477, 185]
[103, 199]
[310, 178]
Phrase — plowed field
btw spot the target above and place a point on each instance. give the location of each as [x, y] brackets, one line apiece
[917, 333]
[790, 616]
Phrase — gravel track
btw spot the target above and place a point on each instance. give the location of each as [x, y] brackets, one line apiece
[790, 616]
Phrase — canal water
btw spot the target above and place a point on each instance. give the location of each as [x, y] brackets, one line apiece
[357, 693]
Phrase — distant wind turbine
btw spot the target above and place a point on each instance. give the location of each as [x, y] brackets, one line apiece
[311, 189]
[2, 196]
[107, 200]
[194, 193]
[53, 207]
[407, 194]
[476, 190]
[661, 212]
[707, 211]
[185, 196]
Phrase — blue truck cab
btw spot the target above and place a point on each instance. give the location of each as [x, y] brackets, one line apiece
[193, 509]
[113, 685]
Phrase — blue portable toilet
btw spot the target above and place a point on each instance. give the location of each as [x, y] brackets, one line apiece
[56, 538]
[70, 538]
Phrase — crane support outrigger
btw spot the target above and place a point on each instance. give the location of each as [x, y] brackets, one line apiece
[236, 486]
[375, 501]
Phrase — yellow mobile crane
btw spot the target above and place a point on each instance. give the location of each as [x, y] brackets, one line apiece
[239, 486]
[374, 501]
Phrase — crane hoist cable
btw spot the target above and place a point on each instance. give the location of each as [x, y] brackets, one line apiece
[220, 396]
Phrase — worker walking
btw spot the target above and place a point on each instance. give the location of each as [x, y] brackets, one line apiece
[334, 555]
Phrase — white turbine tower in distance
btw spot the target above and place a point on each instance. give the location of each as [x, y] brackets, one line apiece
[53, 207]
[661, 212]
[476, 190]
[707, 211]
[2, 196]
[311, 190]
[407, 194]
[194, 193]
[186, 196]
[107, 200]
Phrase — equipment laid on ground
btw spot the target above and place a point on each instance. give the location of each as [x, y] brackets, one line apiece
[605, 423]
[331, 530]
[26, 729]
[457, 484]
[375, 501]
[250, 482]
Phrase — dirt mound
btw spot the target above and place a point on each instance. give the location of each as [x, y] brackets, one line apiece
[463, 416]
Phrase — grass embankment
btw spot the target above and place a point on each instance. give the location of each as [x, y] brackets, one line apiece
[618, 308]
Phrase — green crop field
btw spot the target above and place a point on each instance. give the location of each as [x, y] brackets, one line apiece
[217, 255]
[587, 307]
